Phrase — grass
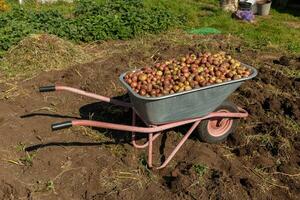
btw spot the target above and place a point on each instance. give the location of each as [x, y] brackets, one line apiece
[277, 142]
[121, 180]
[27, 160]
[207, 13]
[93, 134]
[117, 150]
[29, 57]
[200, 169]
[50, 186]
[295, 73]
[291, 125]
[43, 52]
[263, 139]
[259, 35]
[144, 165]
[20, 147]
[267, 181]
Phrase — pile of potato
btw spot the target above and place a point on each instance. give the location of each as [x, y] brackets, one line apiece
[187, 73]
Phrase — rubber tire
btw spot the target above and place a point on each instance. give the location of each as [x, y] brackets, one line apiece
[203, 133]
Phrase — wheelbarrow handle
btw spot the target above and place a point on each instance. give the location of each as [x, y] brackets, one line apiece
[51, 88]
[48, 88]
[61, 125]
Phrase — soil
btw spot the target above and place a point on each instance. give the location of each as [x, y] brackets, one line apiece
[260, 160]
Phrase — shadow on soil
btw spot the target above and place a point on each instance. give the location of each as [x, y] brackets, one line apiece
[99, 111]
[66, 144]
[102, 111]
[48, 115]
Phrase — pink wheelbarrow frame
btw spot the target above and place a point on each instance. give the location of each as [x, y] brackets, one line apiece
[153, 131]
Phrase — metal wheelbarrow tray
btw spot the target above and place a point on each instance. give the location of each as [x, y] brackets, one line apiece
[184, 105]
[205, 108]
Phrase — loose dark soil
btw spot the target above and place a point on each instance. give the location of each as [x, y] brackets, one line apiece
[261, 160]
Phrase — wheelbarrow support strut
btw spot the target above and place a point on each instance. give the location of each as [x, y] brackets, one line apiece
[154, 131]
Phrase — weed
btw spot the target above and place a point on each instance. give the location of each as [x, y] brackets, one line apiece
[20, 147]
[18, 162]
[90, 21]
[27, 159]
[294, 73]
[94, 20]
[92, 133]
[264, 139]
[285, 147]
[144, 165]
[267, 140]
[12, 91]
[200, 169]
[118, 150]
[289, 123]
[50, 186]
[126, 178]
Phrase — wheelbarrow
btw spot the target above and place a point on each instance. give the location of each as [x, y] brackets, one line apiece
[205, 108]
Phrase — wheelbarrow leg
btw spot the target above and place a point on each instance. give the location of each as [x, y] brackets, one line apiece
[149, 143]
[182, 141]
[152, 137]
[133, 139]
[150, 155]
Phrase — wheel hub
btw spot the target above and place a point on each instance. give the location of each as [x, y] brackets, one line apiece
[220, 126]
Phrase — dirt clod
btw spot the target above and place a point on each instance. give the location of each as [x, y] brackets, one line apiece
[284, 60]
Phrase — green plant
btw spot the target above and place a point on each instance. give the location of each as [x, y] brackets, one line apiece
[200, 169]
[93, 20]
[27, 159]
[50, 185]
[89, 21]
[20, 147]
[144, 165]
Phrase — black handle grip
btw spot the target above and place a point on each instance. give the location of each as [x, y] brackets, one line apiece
[49, 88]
[61, 125]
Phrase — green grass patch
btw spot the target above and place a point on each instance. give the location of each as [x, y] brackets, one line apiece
[27, 160]
[95, 20]
[88, 21]
[267, 32]
[295, 73]
[200, 169]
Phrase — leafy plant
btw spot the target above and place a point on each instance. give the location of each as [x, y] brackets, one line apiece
[144, 165]
[200, 169]
[27, 159]
[90, 21]
[50, 185]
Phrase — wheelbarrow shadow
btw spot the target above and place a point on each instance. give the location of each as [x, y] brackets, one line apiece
[102, 111]
[98, 111]
[106, 112]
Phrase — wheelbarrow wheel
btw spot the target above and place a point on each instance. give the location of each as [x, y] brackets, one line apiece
[216, 130]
